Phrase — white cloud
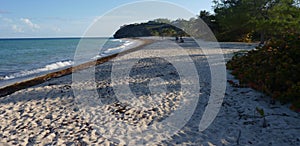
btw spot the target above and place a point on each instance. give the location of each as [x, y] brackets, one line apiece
[16, 28]
[29, 23]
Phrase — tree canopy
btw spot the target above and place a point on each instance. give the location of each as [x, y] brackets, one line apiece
[252, 18]
[236, 20]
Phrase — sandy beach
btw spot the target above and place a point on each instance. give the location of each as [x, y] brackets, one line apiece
[50, 113]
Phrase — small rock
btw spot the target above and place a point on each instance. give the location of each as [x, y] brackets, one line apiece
[76, 109]
[49, 116]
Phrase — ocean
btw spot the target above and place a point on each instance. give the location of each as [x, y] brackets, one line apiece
[29, 57]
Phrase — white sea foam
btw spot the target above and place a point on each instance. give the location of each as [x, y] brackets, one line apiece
[61, 64]
[49, 67]
[118, 49]
[116, 40]
[110, 51]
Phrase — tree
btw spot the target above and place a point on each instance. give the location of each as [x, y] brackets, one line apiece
[209, 19]
[269, 18]
[233, 19]
[273, 17]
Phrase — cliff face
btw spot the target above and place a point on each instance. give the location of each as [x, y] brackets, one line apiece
[150, 28]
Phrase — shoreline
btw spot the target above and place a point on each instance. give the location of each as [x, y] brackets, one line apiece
[50, 114]
[18, 85]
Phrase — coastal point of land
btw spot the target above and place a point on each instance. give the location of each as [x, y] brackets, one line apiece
[45, 111]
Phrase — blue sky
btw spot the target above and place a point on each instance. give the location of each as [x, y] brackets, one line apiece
[70, 18]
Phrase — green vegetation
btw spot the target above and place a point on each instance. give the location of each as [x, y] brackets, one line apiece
[273, 68]
[233, 20]
[252, 20]
[158, 27]
[262, 114]
[164, 27]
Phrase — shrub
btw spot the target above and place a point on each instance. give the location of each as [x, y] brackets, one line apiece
[273, 69]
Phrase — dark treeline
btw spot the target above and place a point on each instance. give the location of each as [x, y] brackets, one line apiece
[256, 20]
[232, 20]
[246, 20]
[159, 27]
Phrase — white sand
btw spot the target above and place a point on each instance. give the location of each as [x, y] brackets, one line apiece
[48, 114]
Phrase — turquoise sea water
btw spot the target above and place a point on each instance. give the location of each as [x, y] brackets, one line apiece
[31, 56]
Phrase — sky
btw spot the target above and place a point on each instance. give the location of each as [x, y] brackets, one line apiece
[74, 18]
